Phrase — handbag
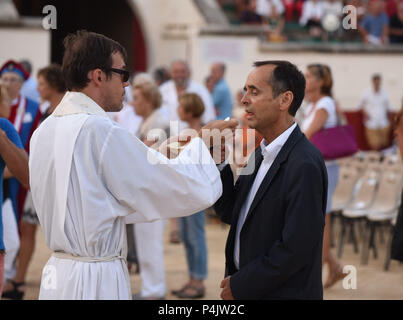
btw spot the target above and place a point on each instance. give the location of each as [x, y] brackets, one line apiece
[336, 142]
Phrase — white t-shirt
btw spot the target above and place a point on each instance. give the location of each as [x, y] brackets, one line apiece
[311, 10]
[264, 7]
[376, 105]
[326, 103]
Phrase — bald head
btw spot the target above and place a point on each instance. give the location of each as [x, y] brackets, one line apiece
[180, 73]
[217, 71]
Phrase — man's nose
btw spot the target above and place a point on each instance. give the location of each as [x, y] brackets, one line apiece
[244, 100]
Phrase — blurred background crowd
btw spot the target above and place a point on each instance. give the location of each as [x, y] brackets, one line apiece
[378, 22]
[193, 77]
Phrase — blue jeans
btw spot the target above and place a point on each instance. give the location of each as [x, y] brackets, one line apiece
[332, 181]
[194, 239]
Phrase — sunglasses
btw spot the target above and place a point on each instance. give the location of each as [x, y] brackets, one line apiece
[124, 73]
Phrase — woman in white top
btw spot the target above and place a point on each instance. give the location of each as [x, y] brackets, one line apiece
[321, 113]
[149, 240]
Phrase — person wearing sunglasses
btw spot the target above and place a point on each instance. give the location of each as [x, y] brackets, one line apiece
[89, 177]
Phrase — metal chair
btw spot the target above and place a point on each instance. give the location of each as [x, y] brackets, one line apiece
[384, 207]
[363, 198]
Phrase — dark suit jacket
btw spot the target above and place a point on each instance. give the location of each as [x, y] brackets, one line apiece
[397, 240]
[281, 238]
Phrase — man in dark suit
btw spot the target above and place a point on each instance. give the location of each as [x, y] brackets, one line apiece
[277, 213]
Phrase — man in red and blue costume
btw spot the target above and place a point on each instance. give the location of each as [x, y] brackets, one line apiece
[25, 116]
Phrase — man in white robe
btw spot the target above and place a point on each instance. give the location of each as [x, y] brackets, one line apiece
[89, 177]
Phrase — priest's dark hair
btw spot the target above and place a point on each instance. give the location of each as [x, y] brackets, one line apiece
[286, 77]
[86, 51]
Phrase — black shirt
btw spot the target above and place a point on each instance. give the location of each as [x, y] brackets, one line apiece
[396, 23]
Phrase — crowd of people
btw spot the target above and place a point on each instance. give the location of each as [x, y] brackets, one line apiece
[378, 22]
[152, 101]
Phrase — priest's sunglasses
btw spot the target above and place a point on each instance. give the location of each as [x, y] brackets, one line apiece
[124, 73]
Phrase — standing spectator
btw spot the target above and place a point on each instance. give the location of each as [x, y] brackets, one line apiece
[149, 236]
[396, 26]
[192, 227]
[221, 93]
[25, 116]
[321, 113]
[14, 157]
[29, 88]
[312, 14]
[51, 88]
[374, 25]
[181, 83]
[375, 105]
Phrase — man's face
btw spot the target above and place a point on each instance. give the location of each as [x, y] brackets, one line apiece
[262, 109]
[216, 72]
[12, 82]
[114, 87]
[180, 74]
[377, 84]
[312, 82]
[376, 7]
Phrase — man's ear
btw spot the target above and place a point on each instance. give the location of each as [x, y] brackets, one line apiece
[285, 101]
[97, 76]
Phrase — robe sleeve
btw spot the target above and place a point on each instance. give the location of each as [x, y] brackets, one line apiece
[148, 186]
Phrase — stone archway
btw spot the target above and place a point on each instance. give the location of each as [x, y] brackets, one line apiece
[115, 19]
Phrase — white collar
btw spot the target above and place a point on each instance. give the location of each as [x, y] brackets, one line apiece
[270, 151]
[76, 103]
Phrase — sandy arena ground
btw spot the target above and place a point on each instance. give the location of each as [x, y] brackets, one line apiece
[372, 281]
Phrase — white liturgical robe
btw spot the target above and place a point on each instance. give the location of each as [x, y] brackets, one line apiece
[88, 178]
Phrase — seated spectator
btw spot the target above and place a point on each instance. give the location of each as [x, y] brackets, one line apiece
[271, 12]
[332, 14]
[374, 25]
[396, 26]
[334, 7]
[247, 9]
[391, 7]
[312, 14]
[293, 9]
[360, 7]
